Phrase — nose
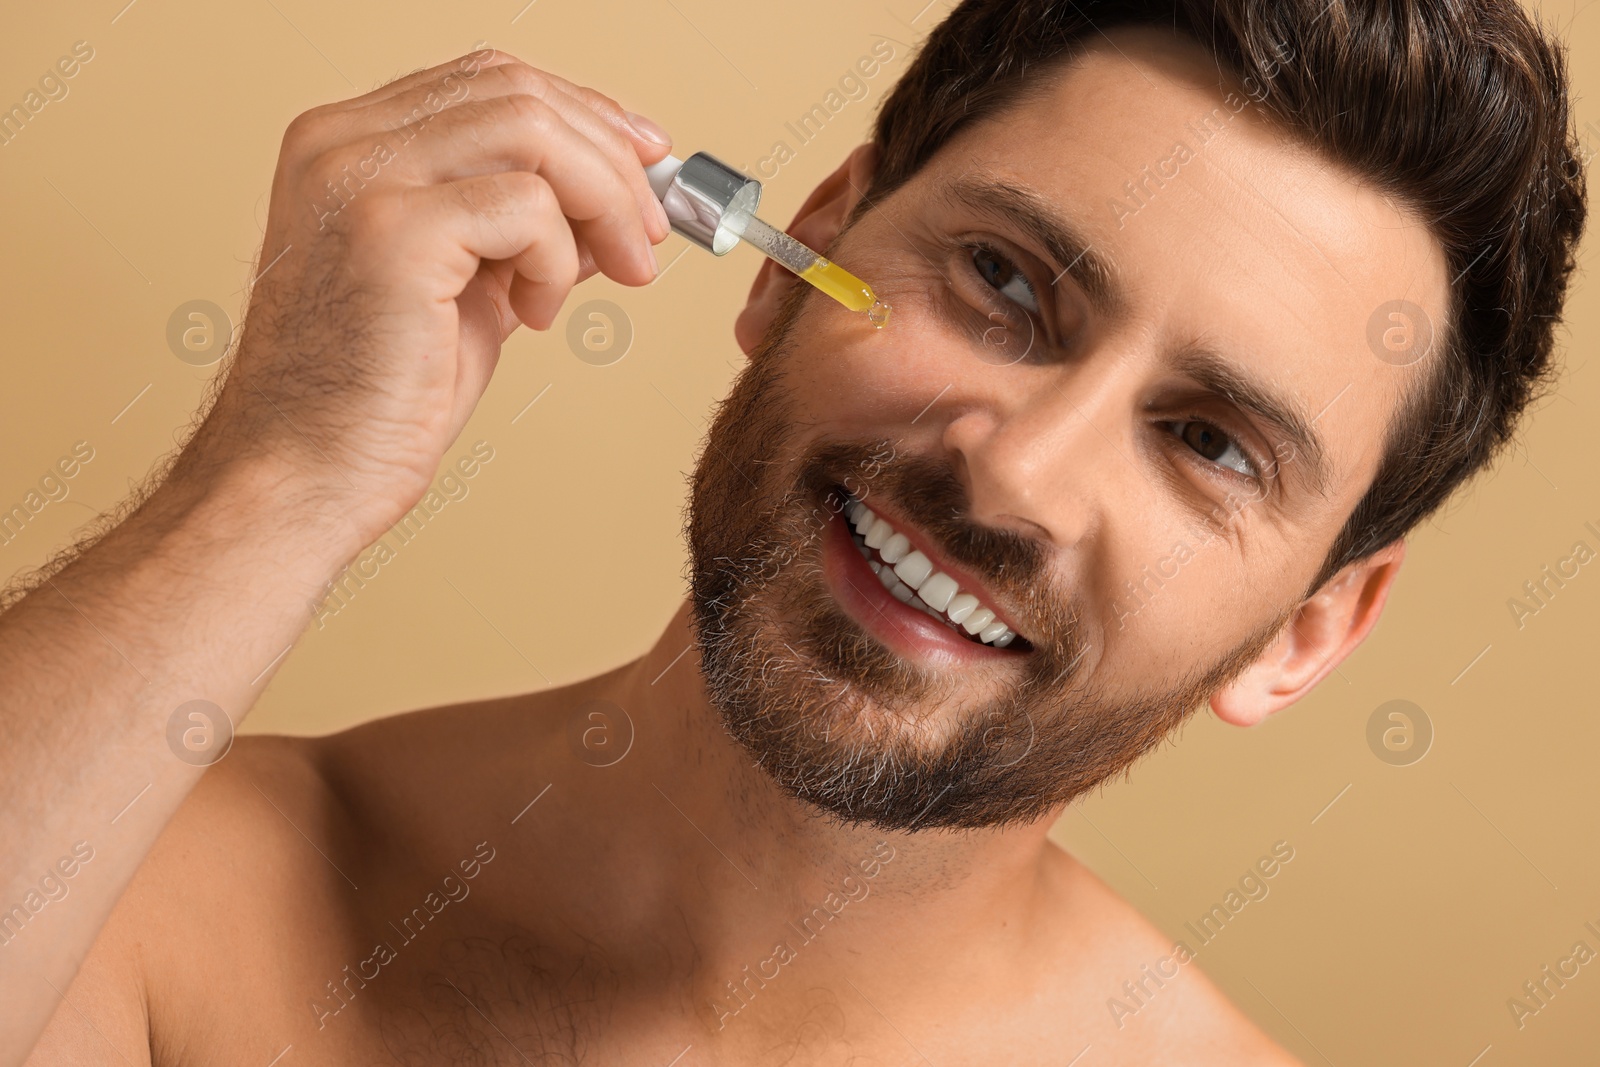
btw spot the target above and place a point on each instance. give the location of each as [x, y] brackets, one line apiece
[1046, 458]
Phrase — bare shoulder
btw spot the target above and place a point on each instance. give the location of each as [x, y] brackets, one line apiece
[256, 869]
[1150, 1001]
[228, 850]
[282, 826]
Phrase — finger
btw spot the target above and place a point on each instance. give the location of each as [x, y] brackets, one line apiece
[512, 215]
[468, 65]
[602, 121]
[502, 74]
[496, 275]
[483, 312]
[391, 112]
[522, 133]
[638, 133]
[586, 267]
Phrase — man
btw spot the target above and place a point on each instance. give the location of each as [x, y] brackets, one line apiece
[1234, 293]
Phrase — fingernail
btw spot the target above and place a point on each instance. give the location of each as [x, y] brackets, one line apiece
[666, 223]
[655, 267]
[648, 129]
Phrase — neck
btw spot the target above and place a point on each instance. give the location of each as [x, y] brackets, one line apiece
[713, 828]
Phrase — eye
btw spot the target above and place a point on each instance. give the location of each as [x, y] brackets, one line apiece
[1005, 278]
[1215, 445]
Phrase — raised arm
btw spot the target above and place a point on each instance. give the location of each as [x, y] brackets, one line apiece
[410, 231]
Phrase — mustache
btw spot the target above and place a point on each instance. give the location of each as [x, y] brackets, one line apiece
[1012, 566]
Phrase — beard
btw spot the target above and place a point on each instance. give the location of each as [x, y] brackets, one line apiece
[838, 719]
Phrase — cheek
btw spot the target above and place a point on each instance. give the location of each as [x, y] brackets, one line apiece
[877, 381]
[936, 349]
[1162, 592]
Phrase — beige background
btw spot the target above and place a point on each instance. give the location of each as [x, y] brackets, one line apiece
[1416, 904]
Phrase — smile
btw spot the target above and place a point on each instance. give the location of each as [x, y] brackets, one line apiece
[914, 580]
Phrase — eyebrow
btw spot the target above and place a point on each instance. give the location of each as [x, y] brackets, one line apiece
[1028, 212]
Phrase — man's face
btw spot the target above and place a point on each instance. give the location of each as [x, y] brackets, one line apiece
[1135, 451]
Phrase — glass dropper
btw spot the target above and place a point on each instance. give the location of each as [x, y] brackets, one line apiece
[826, 275]
[714, 206]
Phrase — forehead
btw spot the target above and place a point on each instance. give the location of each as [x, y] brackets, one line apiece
[1221, 229]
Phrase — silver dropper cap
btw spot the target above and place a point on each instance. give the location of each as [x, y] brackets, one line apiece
[706, 200]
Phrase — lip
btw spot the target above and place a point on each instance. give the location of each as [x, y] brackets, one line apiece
[969, 582]
[903, 628]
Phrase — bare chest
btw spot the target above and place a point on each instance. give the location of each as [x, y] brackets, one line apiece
[495, 996]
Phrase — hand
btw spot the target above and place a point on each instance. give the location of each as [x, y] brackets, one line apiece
[417, 226]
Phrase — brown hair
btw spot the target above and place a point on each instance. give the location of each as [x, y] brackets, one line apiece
[1457, 108]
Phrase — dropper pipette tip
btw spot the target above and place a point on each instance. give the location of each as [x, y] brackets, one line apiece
[825, 275]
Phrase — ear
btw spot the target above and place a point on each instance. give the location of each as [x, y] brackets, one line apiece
[1324, 630]
[818, 222]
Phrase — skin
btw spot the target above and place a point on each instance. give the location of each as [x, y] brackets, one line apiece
[618, 905]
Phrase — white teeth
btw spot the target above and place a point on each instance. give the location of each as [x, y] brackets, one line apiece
[961, 606]
[910, 578]
[914, 569]
[937, 591]
[978, 620]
